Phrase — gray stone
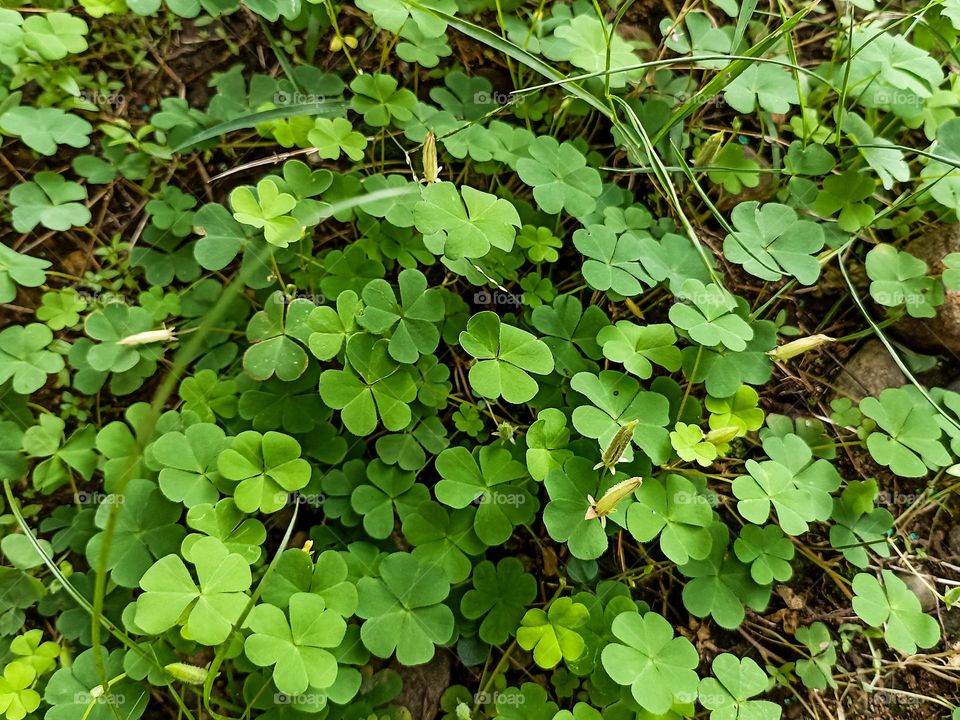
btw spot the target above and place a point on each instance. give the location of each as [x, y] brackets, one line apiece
[869, 371]
[940, 334]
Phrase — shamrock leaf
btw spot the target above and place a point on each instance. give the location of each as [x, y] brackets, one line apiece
[770, 242]
[377, 98]
[710, 318]
[739, 410]
[411, 323]
[817, 671]
[393, 14]
[48, 200]
[500, 595]
[846, 193]
[373, 385]
[552, 635]
[691, 445]
[636, 347]
[768, 552]
[570, 330]
[615, 400]
[331, 136]
[565, 516]
[658, 667]
[17, 269]
[613, 261]
[488, 475]
[43, 129]
[466, 228]
[587, 44]
[389, 488]
[441, 537]
[296, 643]
[727, 695]
[673, 509]
[268, 210]
[764, 84]
[208, 608]
[145, 529]
[55, 35]
[25, 358]
[720, 585]
[227, 523]
[332, 328]
[266, 467]
[17, 696]
[560, 177]
[112, 326]
[859, 526]
[895, 608]
[505, 357]
[734, 169]
[547, 440]
[271, 332]
[900, 279]
[908, 439]
[77, 692]
[404, 609]
[798, 488]
[189, 463]
[48, 440]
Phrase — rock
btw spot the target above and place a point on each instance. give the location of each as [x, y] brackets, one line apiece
[923, 588]
[423, 685]
[940, 333]
[869, 371]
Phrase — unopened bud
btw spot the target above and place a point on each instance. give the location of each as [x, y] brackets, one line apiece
[722, 435]
[190, 674]
[150, 336]
[799, 346]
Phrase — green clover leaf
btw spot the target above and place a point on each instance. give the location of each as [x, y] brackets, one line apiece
[658, 667]
[266, 467]
[208, 608]
[500, 596]
[404, 609]
[505, 358]
[895, 608]
[467, 227]
[770, 242]
[552, 635]
[296, 643]
[268, 210]
[412, 322]
[727, 695]
[560, 177]
[48, 200]
[24, 357]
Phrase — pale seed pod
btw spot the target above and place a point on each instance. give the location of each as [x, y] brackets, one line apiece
[611, 498]
[190, 674]
[431, 170]
[799, 346]
[150, 336]
[621, 441]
